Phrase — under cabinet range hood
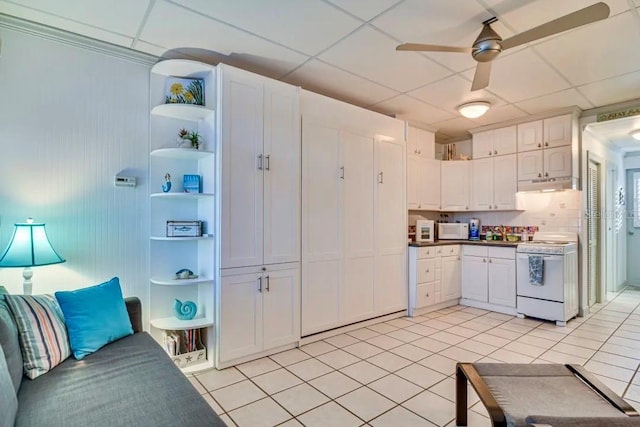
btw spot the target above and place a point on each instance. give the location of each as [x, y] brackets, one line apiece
[549, 184]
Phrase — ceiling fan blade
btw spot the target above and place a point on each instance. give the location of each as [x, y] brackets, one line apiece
[418, 47]
[590, 14]
[481, 77]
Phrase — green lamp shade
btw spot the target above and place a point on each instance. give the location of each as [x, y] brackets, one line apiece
[29, 247]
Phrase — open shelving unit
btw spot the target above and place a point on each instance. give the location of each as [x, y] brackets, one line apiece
[171, 254]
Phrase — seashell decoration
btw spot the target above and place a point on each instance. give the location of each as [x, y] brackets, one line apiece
[184, 310]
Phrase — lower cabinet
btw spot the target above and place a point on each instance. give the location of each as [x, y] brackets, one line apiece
[259, 310]
[434, 276]
[489, 277]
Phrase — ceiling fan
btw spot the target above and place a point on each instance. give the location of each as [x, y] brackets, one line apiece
[489, 44]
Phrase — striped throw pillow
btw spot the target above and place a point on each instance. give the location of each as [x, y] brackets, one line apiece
[43, 335]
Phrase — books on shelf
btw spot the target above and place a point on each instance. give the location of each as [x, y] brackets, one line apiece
[185, 347]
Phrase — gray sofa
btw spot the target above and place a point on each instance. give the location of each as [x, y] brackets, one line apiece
[130, 382]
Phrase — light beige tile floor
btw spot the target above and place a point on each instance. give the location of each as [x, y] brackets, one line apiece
[401, 372]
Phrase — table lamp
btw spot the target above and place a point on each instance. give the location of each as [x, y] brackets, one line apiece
[29, 247]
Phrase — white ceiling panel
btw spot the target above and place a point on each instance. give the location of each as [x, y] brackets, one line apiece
[564, 98]
[371, 54]
[64, 24]
[190, 30]
[117, 16]
[308, 26]
[365, 10]
[412, 109]
[317, 76]
[596, 52]
[500, 114]
[522, 75]
[452, 91]
[616, 89]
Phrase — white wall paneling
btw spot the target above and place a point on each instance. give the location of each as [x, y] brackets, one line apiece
[72, 118]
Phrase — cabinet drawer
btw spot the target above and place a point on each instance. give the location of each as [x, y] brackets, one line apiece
[449, 250]
[474, 250]
[427, 252]
[425, 295]
[426, 270]
[506, 253]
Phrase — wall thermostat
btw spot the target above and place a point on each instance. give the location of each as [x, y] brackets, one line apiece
[124, 181]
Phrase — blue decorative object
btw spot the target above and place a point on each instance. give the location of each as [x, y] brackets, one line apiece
[94, 316]
[192, 184]
[166, 187]
[184, 311]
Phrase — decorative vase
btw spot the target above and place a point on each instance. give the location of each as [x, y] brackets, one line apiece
[184, 311]
[166, 187]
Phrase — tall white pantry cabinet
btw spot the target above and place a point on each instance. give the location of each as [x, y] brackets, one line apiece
[259, 292]
[354, 217]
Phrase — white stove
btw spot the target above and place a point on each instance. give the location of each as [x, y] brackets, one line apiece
[547, 277]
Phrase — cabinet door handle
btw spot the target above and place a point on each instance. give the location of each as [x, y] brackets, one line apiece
[267, 283]
[484, 260]
[495, 151]
[427, 270]
[546, 144]
[489, 152]
[260, 284]
[539, 145]
[381, 179]
[490, 261]
[466, 207]
[546, 174]
[267, 162]
[260, 162]
[419, 151]
[341, 172]
[539, 175]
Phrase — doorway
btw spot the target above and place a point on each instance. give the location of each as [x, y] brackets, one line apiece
[633, 226]
[594, 205]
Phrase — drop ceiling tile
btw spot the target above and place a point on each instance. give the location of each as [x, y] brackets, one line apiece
[64, 24]
[500, 114]
[118, 16]
[564, 98]
[412, 109]
[522, 75]
[452, 91]
[371, 54]
[201, 36]
[328, 80]
[597, 51]
[364, 9]
[457, 127]
[610, 91]
[450, 23]
[533, 13]
[301, 25]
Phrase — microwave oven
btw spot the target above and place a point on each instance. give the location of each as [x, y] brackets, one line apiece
[453, 231]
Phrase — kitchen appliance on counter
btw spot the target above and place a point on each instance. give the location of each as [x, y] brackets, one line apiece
[453, 231]
[547, 277]
[425, 230]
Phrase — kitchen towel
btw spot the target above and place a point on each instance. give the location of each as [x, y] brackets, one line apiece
[536, 270]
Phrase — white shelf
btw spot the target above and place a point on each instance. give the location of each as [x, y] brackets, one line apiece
[181, 153]
[186, 196]
[181, 68]
[172, 323]
[179, 282]
[182, 111]
[207, 237]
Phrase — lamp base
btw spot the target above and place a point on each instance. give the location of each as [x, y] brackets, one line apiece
[27, 285]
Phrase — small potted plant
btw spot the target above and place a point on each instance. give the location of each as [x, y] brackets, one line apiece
[188, 139]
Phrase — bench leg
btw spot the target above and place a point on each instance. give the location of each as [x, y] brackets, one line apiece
[461, 396]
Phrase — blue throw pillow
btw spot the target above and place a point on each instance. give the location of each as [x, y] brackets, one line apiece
[95, 316]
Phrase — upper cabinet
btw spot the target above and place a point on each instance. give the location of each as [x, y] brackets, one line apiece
[495, 142]
[420, 143]
[547, 133]
[260, 134]
[455, 185]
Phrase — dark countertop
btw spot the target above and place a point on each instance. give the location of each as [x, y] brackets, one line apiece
[466, 242]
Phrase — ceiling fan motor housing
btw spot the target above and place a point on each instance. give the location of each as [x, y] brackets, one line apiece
[487, 46]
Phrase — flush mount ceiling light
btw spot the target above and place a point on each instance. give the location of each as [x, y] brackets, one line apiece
[635, 134]
[472, 110]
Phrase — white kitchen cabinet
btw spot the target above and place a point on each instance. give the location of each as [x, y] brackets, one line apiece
[354, 217]
[546, 163]
[489, 277]
[494, 183]
[434, 277]
[420, 143]
[261, 311]
[547, 133]
[455, 185]
[496, 142]
[423, 183]
[413, 182]
[260, 208]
